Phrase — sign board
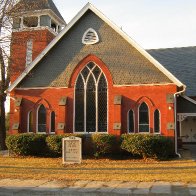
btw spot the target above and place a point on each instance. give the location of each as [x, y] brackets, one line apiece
[72, 150]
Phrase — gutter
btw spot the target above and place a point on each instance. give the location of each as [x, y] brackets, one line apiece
[175, 117]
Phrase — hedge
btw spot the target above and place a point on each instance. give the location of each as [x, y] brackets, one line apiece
[104, 144]
[96, 144]
[148, 146]
[26, 144]
[37, 144]
[144, 145]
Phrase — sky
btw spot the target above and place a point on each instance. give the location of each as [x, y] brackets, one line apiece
[151, 23]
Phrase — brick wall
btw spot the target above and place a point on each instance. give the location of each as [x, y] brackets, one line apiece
[41, 38]
[132, 97]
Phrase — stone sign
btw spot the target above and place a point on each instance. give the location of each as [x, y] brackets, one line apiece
[72, 150]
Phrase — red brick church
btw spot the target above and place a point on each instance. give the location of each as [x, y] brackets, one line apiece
[87, 76]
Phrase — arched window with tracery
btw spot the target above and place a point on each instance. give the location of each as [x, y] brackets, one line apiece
[41, 119]
[143, 118]
[91, 100]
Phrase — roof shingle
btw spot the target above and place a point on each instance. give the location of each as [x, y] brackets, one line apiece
[125, 63]
[181, 62]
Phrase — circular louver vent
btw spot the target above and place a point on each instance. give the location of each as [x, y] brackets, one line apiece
[90, 37]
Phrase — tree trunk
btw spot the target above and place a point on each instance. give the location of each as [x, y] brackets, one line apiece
[2, 102]
[2, 123]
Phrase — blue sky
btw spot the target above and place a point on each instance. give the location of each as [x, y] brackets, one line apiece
[151, 23]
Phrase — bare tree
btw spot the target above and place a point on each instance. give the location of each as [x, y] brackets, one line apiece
[5, 40]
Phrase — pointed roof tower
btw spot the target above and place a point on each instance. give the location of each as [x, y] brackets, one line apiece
[24, 6]
[37, 13]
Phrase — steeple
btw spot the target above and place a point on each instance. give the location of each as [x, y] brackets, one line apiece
[35, 24]
[36, 14]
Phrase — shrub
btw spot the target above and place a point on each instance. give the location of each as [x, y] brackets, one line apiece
[96, 144]
[103, 144]
[26, 144]
[152, 146]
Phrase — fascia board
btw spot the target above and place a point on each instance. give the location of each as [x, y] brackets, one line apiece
[188, 99]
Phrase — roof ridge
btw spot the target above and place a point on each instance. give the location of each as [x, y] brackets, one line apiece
[183, 47]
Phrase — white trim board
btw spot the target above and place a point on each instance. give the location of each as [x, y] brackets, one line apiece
[188, 99]
[187, 114]
[87, 7]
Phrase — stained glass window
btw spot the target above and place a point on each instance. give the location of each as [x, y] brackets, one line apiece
[90, 105]
[30, 122]
[91, 100]
[156, 121]
[79, 105]
[102, 104]
[42, 119]
[52, 125]
[130, 121]
[143, 118]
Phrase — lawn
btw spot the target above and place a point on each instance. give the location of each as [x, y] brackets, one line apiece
[183, 170]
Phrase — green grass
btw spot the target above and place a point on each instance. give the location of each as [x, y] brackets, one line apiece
[181, 170]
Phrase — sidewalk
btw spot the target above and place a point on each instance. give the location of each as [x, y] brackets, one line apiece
[11, 187]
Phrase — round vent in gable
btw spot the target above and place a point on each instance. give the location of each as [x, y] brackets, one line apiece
[90, 37]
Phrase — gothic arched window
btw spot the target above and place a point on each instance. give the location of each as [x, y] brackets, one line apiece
[143, 118]
[91, 100]
[130, 120]
[52, 122]
[156, 121]
[30, 122]
[41, 117]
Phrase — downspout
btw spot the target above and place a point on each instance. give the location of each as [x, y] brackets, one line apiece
[175, 118]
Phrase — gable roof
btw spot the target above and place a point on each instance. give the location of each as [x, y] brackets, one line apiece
[88, 7]
[181, 62]
[35, 5]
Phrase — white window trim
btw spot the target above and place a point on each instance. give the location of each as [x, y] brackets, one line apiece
[50, 126]
[157, 133]
[37, 120]
[91, 42]
[128, 121]
[28, 121]
[39, 21]
[90, 72]
[139, 119]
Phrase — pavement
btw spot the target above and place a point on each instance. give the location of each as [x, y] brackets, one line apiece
[17, 187]
[192, 149]
[31, 187]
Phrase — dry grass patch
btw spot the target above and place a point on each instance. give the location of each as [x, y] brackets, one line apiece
[102, 169]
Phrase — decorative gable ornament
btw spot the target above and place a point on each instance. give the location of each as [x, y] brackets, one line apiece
[90, 37]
